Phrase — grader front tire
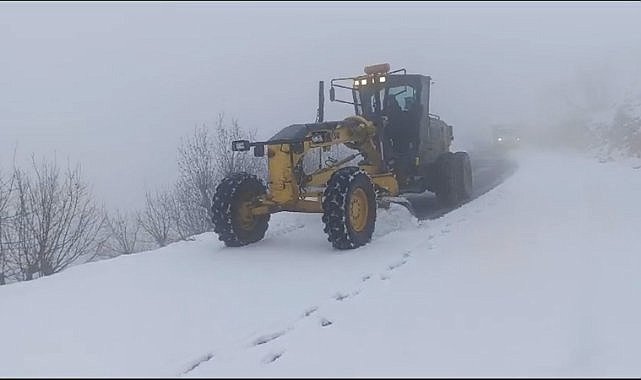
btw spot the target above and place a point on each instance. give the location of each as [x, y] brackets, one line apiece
[349, 208]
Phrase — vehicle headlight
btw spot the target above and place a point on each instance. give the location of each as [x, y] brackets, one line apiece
[356, 83]
[381, 79]
[500, 139]
[240, 145]
[363, 82]
[320, 137]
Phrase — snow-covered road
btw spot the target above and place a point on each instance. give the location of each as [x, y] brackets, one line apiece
[489, 169]
[539, 276]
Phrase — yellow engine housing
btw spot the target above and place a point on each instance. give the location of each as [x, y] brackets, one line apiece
[284, 189]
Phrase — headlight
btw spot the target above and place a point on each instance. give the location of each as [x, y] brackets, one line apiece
[381, 79]
[363, 82]
[320, 137]
[500, 139]
[240, 145]
[356, 83]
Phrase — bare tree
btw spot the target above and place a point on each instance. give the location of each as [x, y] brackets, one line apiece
[156, 217]
[188, 215]
[6, 191]
[23, 250]
[198, 177]
[123, 233]
[56, 221]
[228, 161]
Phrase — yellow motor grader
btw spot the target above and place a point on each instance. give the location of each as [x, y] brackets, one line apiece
[400, 147]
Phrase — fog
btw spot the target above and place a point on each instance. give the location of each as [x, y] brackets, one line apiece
[114, 86]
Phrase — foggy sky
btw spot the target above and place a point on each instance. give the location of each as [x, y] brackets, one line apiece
[115, 85]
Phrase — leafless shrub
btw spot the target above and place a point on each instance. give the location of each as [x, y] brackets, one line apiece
[6, 192]
[124, 237]
[55, 221]
[156, 217]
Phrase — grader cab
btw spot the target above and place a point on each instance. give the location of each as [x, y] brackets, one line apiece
[398, 148]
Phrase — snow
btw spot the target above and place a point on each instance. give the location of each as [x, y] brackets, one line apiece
[538, 277]
[616, 131]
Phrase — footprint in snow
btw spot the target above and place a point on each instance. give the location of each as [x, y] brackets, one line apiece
[205, 358]
[272, 357]
[340, 296]
[268, 338]
[396, 265]
[324, 322]
[366, 277]
[385, 277]
[310, 311]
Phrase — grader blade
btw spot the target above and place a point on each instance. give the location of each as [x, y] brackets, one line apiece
[385, 202]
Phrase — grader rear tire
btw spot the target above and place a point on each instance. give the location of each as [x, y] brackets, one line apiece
[464, 167]
[448, 180]
[349, 208]
[233, 222]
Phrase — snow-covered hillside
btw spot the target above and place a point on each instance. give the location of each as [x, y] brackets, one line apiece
[616, 131]
[538, 277]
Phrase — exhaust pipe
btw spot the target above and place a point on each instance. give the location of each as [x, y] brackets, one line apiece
[321, 102]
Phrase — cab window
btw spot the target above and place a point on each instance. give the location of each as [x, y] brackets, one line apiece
[403, 96]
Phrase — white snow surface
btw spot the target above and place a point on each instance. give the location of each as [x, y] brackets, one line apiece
[539, 277]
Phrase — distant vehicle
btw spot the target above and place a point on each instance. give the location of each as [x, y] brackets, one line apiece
[505, 137]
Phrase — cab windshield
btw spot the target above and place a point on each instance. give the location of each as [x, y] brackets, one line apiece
[383, 101]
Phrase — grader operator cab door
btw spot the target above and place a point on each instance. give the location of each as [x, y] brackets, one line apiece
[403, 101]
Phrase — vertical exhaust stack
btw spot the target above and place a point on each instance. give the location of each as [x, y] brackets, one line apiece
[321, 102]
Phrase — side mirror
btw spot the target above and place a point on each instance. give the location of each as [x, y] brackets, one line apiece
[259, 150]
[332, 94]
